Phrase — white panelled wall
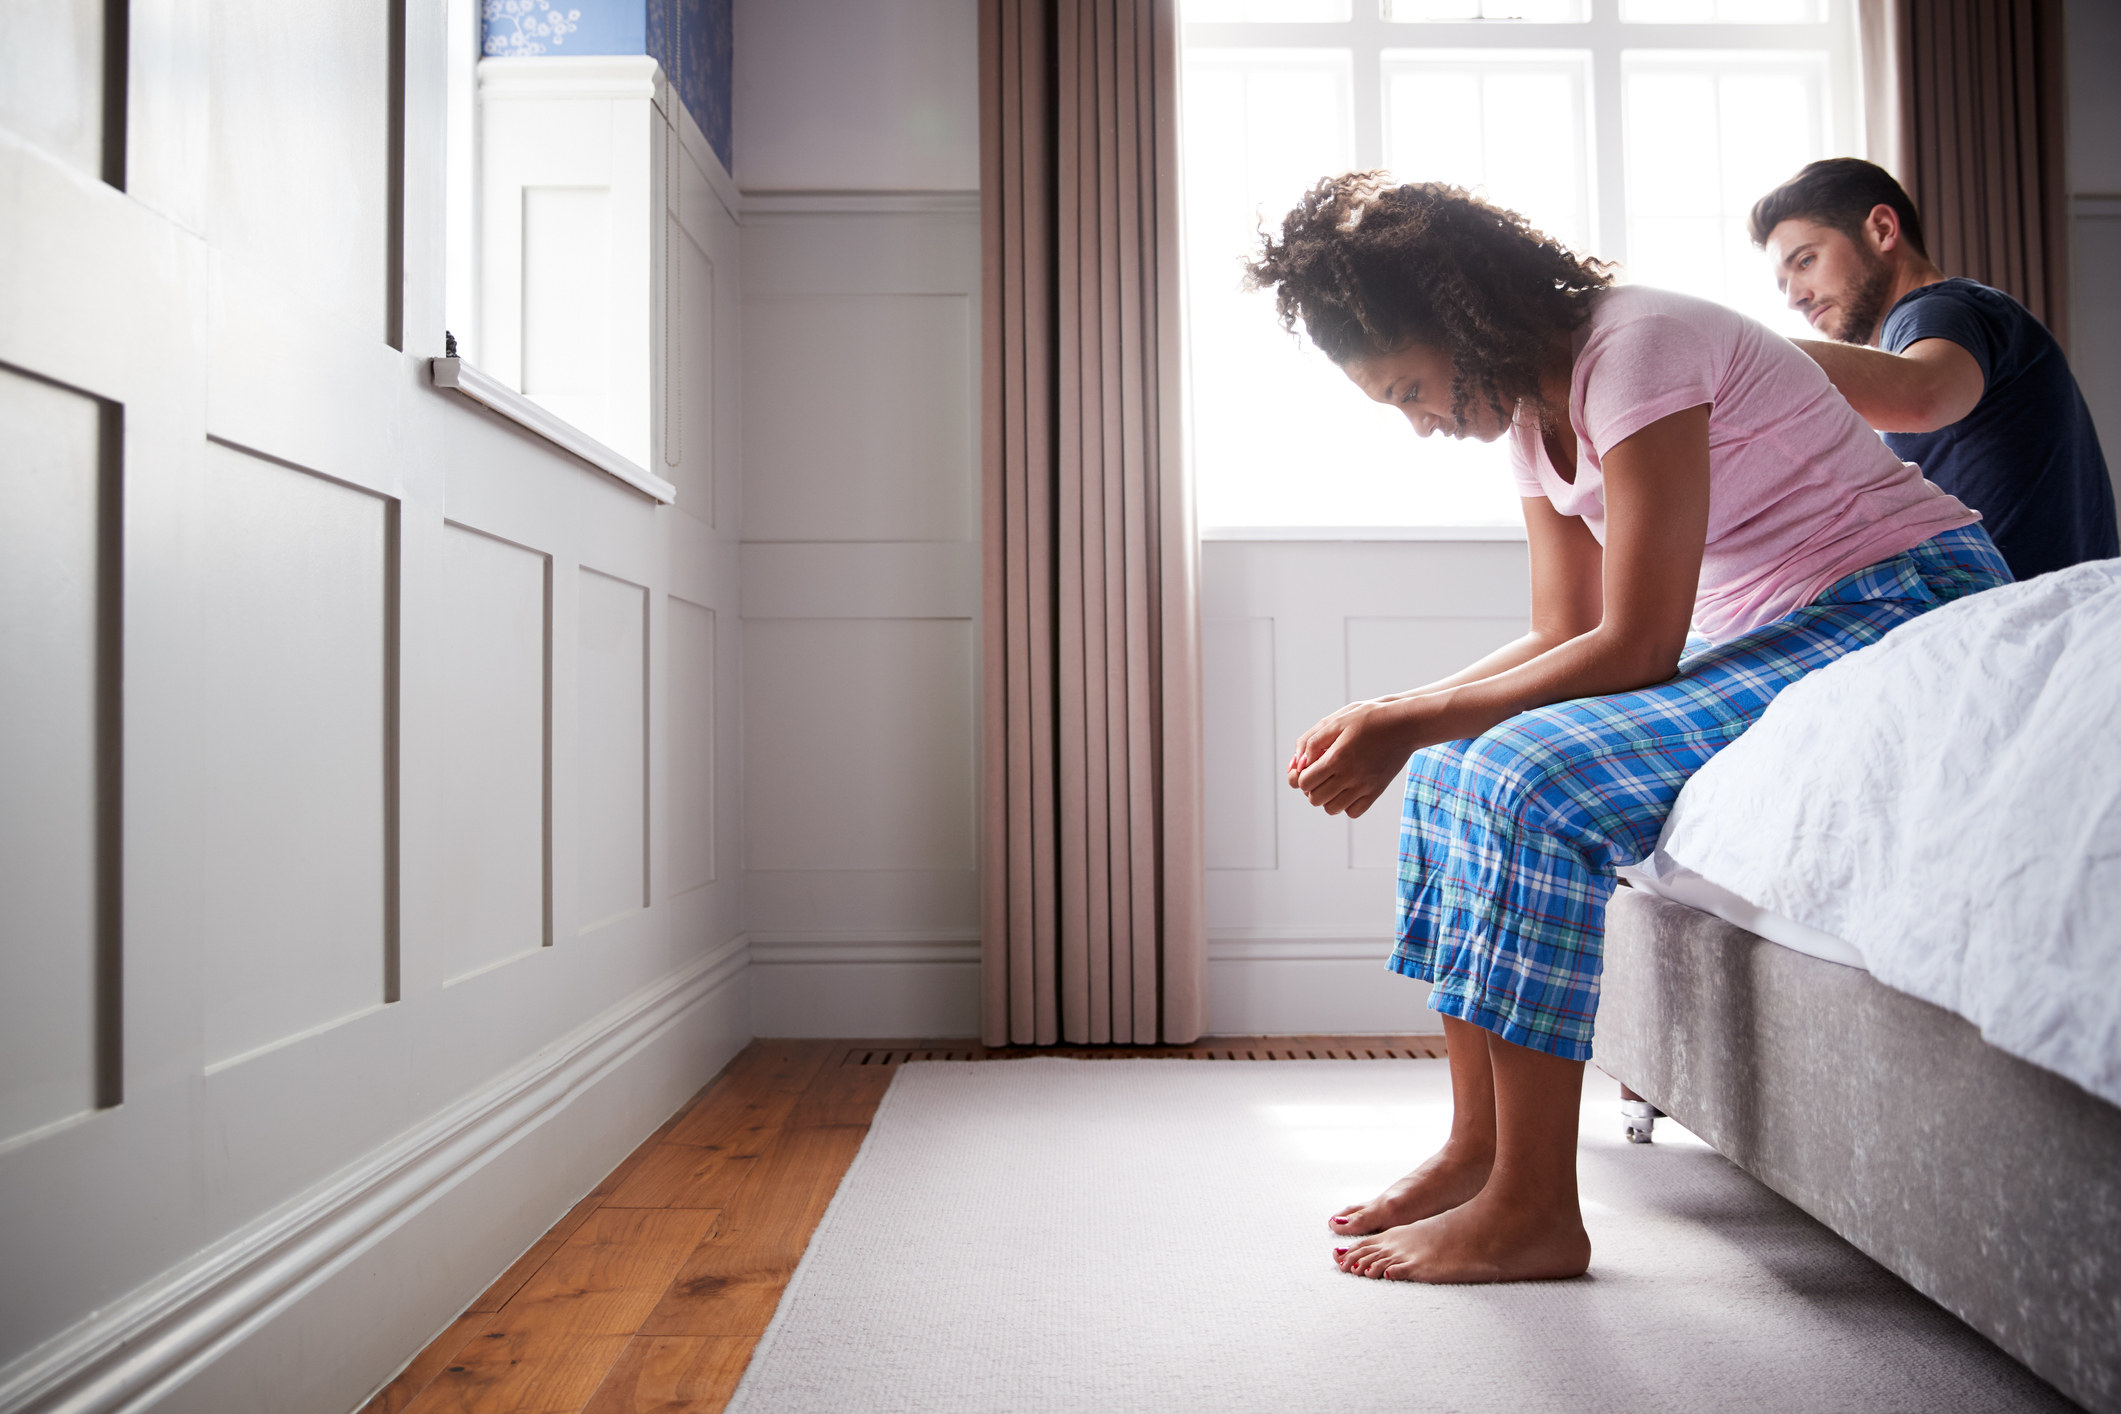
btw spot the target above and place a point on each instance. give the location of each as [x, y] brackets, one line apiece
[861, 603]
[861, 514]
[369, 865]
[1300, 904]
[859, 165]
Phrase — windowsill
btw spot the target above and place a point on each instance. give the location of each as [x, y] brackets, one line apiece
[1363, 532]
[456, 374]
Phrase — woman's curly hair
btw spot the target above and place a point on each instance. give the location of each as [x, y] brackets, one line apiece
[1370, 266]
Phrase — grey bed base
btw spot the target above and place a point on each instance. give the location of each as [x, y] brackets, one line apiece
[1988, 1184]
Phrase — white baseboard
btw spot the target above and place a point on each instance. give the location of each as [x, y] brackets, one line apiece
[876, 988]
[906, 986]
[243, 1325]
[1329, 987]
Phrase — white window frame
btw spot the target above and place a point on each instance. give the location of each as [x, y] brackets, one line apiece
[1370, 39]
[465, 247]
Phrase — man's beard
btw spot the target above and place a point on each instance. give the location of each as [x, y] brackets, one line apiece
[1865, 304]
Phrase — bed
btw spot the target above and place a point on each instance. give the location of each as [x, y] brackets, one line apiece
[1875, 960]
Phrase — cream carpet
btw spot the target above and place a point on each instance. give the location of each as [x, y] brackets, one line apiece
[1061, 1235]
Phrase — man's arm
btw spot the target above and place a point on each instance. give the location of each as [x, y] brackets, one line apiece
[1931, 384]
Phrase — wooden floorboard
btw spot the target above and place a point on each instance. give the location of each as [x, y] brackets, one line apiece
[731, 1284]
[665, 1372]
[524, 1371]
[650, 1293]
[400, 1392]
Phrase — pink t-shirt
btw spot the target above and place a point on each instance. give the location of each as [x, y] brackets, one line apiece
[1801, 490]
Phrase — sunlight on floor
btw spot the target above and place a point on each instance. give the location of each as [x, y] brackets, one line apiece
[1335, 1134]
[1403, 1133]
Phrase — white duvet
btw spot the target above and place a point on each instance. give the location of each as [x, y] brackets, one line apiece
[1948, 803]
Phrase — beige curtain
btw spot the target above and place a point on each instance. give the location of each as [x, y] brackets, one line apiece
[1964, 102]
[1091, 862]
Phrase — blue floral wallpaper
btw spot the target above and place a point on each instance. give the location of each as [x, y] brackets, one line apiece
[691, 39]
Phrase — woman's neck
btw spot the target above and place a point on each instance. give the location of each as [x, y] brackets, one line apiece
[1555, 375]
[1556, 372]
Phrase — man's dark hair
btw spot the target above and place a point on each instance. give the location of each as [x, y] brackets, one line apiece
[1369, 265]
[1837, 192]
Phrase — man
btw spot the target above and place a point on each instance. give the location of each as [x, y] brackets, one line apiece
[1964, 381]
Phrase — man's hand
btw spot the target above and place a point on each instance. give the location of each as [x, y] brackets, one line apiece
[1930, 384]
[1348, 760]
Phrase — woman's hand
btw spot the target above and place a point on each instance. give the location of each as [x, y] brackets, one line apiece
[1348, 760]
[1605, 619]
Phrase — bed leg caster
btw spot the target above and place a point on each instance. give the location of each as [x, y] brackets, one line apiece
[1639, 1115]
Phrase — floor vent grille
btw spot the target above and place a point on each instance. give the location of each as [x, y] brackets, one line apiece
[1350, 1048]
[896, 1057]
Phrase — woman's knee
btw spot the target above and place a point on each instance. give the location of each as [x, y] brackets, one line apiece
[1517, 769]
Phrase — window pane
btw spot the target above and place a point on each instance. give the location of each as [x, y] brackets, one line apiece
[1550, 12]
[1280, 436]
[1722, 12]
[1514, 127]
[1264, 12]
[460, 185]
[1707, 136]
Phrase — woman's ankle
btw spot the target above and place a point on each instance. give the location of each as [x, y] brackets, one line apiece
[1467, 1151]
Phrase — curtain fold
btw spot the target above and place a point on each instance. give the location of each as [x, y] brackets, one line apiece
[1091, 848]
[1881, 49]
[1964, 102]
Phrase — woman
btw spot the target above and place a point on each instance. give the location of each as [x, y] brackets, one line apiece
[1679, 465]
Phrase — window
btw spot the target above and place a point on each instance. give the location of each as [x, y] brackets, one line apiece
[1641, 131]
[561, 157]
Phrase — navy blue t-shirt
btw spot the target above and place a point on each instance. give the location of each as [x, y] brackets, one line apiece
[2026, 457]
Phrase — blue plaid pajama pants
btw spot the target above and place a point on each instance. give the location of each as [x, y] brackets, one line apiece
[1508, 842]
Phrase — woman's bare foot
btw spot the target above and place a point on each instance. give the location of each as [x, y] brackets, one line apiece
[1490, 1238]
[1453, 1175]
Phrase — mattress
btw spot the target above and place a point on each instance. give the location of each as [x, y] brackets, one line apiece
[1666, 877]
[1942, 808]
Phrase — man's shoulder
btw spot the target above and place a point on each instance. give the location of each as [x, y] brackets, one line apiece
[1955, 303]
